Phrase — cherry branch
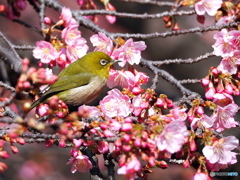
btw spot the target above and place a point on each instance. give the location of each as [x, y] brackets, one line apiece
[183, 61]
[13, 59]
[152, 2]
[175, 33]
[136, 16]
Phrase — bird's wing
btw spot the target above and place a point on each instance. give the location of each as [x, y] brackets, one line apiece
[65, 82]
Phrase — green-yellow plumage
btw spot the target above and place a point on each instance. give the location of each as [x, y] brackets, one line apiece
[81, 81]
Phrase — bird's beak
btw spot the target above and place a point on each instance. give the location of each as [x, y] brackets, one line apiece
[115, 61]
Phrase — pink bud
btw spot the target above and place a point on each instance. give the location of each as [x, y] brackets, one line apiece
[21, 141]
[62, 143]
[205, 82]
[118, 143]
[3, 167]
[228, 89]
[215, 71]
[126, 148]
[126, 137]
[103, 126]
[136, 90]
[210, 92]
[26, 84]
[128, 120]
[1, 143]
[14, 149]
[193, 146]
[186, 163]
[144, 105]
[73, 152]
[108, 133]
[160, 102]
[127, 127]
[49, 143]
[4, 154]
[137, 142]
[77, 142]
[200, 110]
[151, 161]
[47, 21]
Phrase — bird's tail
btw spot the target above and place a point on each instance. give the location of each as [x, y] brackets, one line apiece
[37, 102]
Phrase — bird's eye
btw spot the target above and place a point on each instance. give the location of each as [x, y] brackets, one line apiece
[103, 62]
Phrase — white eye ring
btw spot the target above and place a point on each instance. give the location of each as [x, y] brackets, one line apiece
[103, 62]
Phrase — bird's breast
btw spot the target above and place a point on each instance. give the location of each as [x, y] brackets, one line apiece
[84, 94]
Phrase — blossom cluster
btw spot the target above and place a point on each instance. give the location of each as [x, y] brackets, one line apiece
[72, 47]
[147, 128]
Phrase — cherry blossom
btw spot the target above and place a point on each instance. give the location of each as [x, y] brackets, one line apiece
[208, 6]
[66, 16]
[89, 111]
[103, 147]
[204, 121]
[230, 64]
[222, 99]
[80, 163]
[220, 152]
[77, 50]
[223, 117]
[102, 43]
[172, 137]
[225, 44]
[45, 52]
[71, 34]
[124, 79]
[201, 176]
[115, 104]
[130, 168]
[129, 52]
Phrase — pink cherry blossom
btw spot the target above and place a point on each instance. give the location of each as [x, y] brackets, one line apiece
[201, 176]
[102, 43]
[141, 78]
[71, 34]
[222, 99]
[77, 142]
[110, 19]
[45, 52]
[220, 152]
[204, 121]
[77, 50]
[224, 20]
[225, 43]
[210, 91]
[115, 104]
[230, 64]
[43, 109]
[208, 6]
[223, 117]
[136, 102]
[129, 52]
[172, 137]
[103, 147]
[124, 79]
[178, 114]
[115, 125]
[89, 111]
[130, 168]
[80, 163]
[66, 16]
